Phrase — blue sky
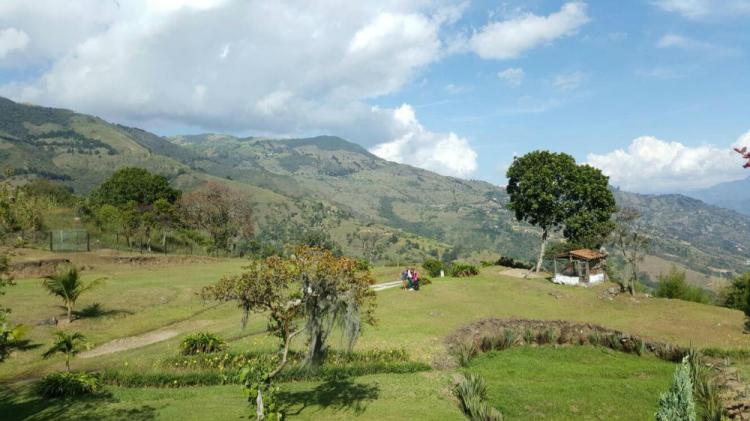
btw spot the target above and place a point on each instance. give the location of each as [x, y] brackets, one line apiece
[654, 92]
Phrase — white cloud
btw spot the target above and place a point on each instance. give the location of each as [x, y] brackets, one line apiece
[689, 44]
[11, 39]
[508, 39]
[444, 153]
[701, 9]
[651, 165]
[512, 76]
[454, 89]
[568, 81]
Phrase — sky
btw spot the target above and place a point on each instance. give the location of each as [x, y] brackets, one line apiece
[653, 92]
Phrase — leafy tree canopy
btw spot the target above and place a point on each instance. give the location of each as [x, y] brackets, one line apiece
[551, 191]
[134, 185]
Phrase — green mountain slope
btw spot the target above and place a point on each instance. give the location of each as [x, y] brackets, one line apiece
[366, 203]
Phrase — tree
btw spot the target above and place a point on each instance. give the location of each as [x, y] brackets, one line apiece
[145, 202]
[8, 334]
[550, 191]
[632, 244]
[132, 184]
[68, 285]
[677, 403]
[20, 211]
[223, 213]
[335, 294]
[591, 205]
[69, 344]
[674, 285]
[737, 295]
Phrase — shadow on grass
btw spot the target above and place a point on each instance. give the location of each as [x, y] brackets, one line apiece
[96, 310]
[338, 394]
[17, 405]
[23, 345]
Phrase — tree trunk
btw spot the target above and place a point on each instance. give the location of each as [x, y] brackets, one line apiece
[259, 416]
[67, 361]
[541, 252]
[245, 316]
[70, 312]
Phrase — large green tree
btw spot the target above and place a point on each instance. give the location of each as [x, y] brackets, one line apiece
[551, 191]
[145, 202]
[132, 184]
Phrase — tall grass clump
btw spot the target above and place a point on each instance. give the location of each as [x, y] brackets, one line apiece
[458, 270]
[464, 352]
[472, 395]
[705, 388]
[677, 404]
[201, 342]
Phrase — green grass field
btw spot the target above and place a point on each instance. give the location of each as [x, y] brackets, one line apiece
[579, 382]
[137, 300]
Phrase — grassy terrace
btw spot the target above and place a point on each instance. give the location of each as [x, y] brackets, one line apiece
[161, 298]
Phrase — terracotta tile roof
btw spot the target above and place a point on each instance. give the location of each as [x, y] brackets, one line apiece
[587, 254]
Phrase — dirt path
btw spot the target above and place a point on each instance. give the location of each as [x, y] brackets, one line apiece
[148, 338]
[385, 285]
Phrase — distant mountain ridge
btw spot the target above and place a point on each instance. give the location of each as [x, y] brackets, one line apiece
[733, 195]
[280, 174]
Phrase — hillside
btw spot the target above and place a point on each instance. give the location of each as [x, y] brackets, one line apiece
[733, 195]
[369, 205]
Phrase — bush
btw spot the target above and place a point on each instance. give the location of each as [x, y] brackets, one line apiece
[673, 285]
[472, 394]
[513, 263]
[737, 294]
[677, 403]
[67, 385]
[201, 342]
[463, 269]
[464, 352]
[433, 267]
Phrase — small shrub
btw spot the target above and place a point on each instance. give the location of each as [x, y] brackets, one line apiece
[472, 394]
[548, 336]
[464, 352]
[513, 263]
[528, 336]
[433, 267]
[677, 403]
[201, 342]
[459, 270]
[705, 389]
[67, 385]
[673, 285]
[509, 338]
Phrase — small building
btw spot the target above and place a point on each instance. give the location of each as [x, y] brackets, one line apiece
[580, 267]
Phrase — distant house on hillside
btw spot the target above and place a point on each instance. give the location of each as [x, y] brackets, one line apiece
[578, 267]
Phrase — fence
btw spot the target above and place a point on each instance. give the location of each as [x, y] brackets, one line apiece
[69, 240]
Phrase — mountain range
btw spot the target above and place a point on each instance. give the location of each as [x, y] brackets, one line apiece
[733, 195]
[367, 203]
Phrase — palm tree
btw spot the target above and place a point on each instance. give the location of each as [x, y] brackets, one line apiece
[69, 344]
[68, 285]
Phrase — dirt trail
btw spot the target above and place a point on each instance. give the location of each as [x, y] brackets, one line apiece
[148, 338]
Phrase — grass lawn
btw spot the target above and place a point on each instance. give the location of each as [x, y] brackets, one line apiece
[374, 397]
[581, 382]
[140, 299]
